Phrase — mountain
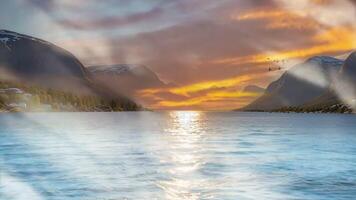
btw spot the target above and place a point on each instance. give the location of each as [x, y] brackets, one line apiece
[29, 59]
[253, 89]
[299, 85]
[125, 79]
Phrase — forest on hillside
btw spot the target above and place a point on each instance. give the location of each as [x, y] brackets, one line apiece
[19, 97]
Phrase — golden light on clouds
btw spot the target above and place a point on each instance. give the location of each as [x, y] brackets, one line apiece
[279, 19]
[200, 86]
[334, 40]
[321, 2]
[209, 97]
[260, 14]
[186, 90]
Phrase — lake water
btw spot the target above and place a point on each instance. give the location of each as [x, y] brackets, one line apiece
[177, 156]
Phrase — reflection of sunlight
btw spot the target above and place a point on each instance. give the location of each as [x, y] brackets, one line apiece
[185, 119]
[185, 157]
[185, 122]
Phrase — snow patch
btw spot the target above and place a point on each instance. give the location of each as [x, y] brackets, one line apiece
[116, 69]
[13, 37]
[6, 38]
[326, 60]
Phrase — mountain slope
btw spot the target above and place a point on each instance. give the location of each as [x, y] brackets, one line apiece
[299, 85]
[125, 79]
[253, 89]
[29, 59]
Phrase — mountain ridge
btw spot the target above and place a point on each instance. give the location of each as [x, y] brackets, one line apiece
[126, 79]
[33, 60]
[300, 85]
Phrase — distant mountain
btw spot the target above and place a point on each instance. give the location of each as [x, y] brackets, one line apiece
[253, 89]
[125, 79]
[299, 85]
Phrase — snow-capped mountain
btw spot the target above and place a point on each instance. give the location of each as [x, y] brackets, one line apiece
[8, 38]
[125, 78]
[325, 61]
[122, 69]
[110, 69]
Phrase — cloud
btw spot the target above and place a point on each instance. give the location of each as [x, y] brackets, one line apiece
[279, 19]
[111, 22]
[201, 86]
[331, 13]
[334, 40]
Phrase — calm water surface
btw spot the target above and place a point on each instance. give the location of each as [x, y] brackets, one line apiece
[177, 156]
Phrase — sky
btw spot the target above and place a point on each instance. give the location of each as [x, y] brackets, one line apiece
[206, 50]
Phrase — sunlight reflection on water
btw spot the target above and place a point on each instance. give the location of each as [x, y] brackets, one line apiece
[185, 155]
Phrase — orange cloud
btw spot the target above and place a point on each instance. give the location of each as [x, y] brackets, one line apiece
[280, 19]
[197, 87]
[322, 2]
[333, 40]
[211, 96]
[260, 14]
[186, 90]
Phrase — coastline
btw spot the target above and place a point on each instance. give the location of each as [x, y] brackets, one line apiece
[336, 108]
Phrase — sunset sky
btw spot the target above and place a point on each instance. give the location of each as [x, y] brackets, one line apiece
[208, 50]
